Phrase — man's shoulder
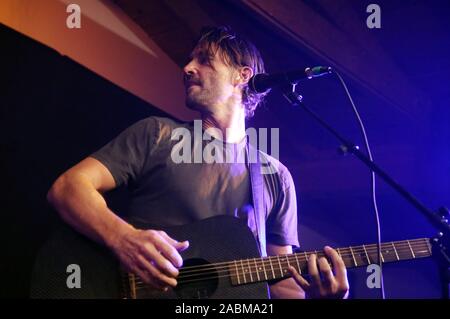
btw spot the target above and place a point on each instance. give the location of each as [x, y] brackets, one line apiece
[163, 122]
[169, 121]
[273, 167]
[163, 126]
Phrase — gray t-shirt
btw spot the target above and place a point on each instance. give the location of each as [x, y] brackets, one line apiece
[167, 193]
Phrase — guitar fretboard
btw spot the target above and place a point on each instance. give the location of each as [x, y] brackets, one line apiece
[246, 271]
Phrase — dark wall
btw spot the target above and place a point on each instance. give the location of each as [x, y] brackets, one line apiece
[54, 113]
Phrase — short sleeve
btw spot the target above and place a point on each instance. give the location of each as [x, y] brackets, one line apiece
[282, 228]
[126, 155]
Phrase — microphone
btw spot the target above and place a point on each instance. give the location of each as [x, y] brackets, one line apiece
[262, 82]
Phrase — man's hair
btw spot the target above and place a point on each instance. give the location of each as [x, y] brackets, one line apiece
[237, 52]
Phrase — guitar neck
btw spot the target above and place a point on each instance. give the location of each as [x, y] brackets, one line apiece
[246, 271]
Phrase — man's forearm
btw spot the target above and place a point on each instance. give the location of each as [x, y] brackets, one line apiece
[85, 209]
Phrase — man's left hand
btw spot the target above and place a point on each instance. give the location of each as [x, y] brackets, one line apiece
[325, 282]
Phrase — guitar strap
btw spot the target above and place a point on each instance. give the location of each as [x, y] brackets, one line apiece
[257, 187]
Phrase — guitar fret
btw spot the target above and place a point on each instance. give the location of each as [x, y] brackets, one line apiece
[237, 273]
[403, 249]
[360, 255]
[298, 265]
[340, 254]
[288, 263]
[395, 250]
[264, 268]
[375, 247]
[243, 271]
[367, 255]
[353, 256]
[271, 266]
[281, 268]
[287, 260]
[412, 252]
[250, 270]
[256, 268]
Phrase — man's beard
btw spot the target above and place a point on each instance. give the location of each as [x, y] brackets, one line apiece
[197, 102]
[194, 100]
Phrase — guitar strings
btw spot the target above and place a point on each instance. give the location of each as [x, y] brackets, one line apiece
[141, 285]
[292, 258]
[285, 261]
[282, 258]
[359, 249]
[345, 252]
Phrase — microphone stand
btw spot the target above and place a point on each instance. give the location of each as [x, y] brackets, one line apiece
[438, 219]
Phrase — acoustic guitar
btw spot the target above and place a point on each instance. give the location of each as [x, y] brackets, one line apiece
[222, 261]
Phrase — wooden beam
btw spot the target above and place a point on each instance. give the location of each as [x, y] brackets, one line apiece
[108, 43]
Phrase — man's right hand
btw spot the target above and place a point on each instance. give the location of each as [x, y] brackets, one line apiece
[151, 254]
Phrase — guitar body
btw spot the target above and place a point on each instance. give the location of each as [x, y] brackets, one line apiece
[213, 240]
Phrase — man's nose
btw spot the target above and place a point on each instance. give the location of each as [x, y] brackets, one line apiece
[189, 69]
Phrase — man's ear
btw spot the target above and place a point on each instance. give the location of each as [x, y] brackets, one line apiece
[245, 73]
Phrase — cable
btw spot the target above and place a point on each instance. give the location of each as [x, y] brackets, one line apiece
[372, 186]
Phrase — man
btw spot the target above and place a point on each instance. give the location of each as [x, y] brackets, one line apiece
[168, 193]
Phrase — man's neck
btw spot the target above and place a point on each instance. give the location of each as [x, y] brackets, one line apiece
[231, 125]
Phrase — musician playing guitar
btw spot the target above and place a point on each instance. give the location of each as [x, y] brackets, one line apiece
[169, 193]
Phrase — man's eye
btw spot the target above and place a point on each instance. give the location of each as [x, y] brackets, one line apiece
[203, 59]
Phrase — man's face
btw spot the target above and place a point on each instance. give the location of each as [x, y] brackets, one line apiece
[208, 81]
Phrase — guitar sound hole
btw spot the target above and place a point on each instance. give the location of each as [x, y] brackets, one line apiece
[198, 279]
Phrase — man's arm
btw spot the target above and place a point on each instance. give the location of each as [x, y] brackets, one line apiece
[76, 195]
